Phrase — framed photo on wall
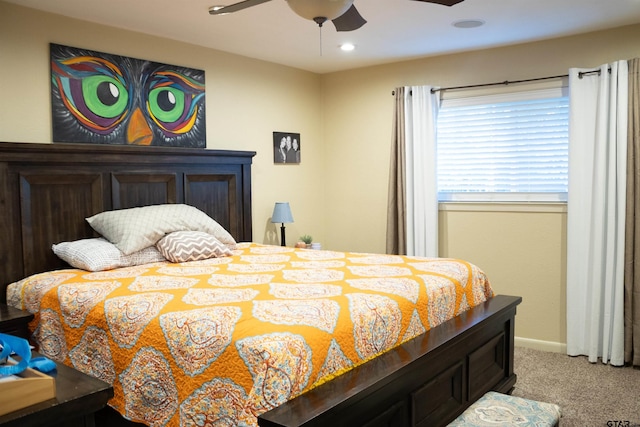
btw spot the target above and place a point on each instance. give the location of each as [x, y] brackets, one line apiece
[286, 147]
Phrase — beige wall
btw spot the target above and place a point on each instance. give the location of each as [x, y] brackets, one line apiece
[522, 249]
[246, 100]
[339, 192]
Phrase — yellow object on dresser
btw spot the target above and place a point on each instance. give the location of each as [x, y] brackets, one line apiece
[25, 389]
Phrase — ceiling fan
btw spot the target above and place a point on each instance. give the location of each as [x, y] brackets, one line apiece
[342, 13]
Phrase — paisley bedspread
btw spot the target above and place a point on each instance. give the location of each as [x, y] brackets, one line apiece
[220, 341]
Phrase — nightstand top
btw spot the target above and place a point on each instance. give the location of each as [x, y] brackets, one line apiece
[78, 397]
[11, 314]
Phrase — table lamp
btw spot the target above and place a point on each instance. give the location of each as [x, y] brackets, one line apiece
[282, 214]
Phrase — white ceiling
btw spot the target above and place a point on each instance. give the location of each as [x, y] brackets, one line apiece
[396, 29]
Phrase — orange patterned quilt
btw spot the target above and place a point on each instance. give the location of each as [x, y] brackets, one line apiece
[226, 339]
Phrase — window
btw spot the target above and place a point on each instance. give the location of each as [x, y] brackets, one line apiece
[509, 147]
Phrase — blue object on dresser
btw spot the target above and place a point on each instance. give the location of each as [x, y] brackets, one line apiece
[15, 345]
[501, 410]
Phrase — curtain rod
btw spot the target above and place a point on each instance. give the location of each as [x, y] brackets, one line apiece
[507, 82]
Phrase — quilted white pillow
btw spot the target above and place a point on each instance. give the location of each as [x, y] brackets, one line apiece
[137, 228]
[183, 246]
[98, 255]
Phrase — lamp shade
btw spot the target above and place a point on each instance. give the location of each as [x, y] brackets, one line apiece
[281, 213]
[311, 9]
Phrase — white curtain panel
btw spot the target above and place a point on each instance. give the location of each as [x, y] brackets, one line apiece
[421, 107]
[596, 213]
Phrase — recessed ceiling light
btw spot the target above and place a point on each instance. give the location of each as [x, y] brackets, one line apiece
[347, 47]
[468, 23]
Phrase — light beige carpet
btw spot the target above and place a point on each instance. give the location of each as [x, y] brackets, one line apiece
[589, 394]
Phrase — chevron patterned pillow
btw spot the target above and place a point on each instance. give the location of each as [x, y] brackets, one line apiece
[183, 246]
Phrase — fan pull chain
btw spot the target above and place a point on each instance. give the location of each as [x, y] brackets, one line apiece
[320, 20]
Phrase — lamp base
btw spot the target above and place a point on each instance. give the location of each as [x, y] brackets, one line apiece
[282, 237]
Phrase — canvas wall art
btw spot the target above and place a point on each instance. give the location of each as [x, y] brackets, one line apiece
[110, 99]
[286, 147]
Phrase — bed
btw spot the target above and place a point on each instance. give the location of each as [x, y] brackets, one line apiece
[47, 191]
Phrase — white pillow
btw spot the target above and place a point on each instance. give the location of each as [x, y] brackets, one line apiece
[183, 246]
[98, 255]
[137, 228]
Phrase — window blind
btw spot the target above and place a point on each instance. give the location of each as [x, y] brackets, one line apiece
[504, 147]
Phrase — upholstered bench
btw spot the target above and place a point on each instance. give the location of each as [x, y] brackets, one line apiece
[501, 410]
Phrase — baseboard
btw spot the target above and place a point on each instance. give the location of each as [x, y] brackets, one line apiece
[552, 346]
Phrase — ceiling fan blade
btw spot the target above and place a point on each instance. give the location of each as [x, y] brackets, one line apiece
[443, 2]
[236, 7]
[350, 20]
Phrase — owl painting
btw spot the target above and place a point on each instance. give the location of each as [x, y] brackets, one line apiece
[110, 99]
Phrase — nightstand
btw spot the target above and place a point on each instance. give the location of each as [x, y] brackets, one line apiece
[14, 321]
[78, 397]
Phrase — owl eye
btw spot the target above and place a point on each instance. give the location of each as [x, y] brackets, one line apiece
[173, 101]
[167, 104]
[93, 90]
[104, 96]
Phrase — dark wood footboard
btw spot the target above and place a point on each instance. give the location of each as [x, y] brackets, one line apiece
[427, 381]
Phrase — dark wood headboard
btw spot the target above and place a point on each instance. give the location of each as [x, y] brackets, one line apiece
[47, 191]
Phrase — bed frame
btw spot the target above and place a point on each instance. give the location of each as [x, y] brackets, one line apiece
[47, 191]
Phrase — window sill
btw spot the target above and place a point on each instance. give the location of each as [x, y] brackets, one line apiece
[541, 207]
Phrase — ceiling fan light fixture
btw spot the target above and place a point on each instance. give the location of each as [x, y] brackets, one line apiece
[312, 9]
